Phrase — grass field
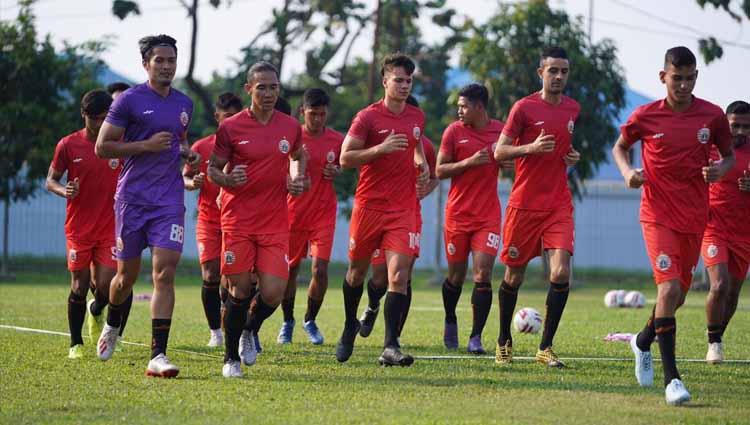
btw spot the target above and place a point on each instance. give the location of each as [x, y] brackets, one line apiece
[301, 383]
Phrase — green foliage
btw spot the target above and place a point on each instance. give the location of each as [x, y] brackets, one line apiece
[504, 55]
[39, 95]
[709, 47]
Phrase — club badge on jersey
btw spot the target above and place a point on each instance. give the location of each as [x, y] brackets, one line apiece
[284, 146]
[704, 135]
[184, 118]
[571, 125]
[417, 132]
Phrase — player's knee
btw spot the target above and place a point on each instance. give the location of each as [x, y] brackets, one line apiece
[720, 287]
[164, 276]
[79, 286]
[514, 278]
[211, 274]
[483, 275]
[560, 274]
[356, 277]
[670, 293]
[320, 274]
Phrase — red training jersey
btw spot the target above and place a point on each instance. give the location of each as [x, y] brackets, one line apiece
[257, 207]
[208, 210]
[90, 216]
[541, 180]
[472, 199]
[675, 148]
[388, 183]
[316, 208]
[729, 208]
[429, 153]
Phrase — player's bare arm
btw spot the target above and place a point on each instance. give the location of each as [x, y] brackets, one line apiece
[235, 177]
[69, 191]
[426, 189]
[192, 179]
[354, 154]
[717, 169]
[300, 182]
[544, 143]
[420, 159]
[192, 158]
[109, 145]
[446, 166]
[634, 177]
[572, 157]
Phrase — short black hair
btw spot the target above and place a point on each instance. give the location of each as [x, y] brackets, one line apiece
[261, 66]
[95, 102]
[739, 107]
[227, 101]
[148, 43]
[475, 93]
[315, 97]
[282, 105]
[555, 52]
[117, 86]
[678, 57]
[396, 60]
[411, 100]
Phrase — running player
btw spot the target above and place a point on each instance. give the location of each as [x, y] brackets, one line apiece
[384, 142]
[312, 216]
[257, 144]
[147, 125]
[676, 135]
[726, 241]
[208, 227]
[472, 213]
[539, 216]
[89, 218]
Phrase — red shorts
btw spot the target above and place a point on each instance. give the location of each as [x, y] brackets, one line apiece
[80, 254]
[484, 238]
[318, 243]
[392, 231]
[208, 236]
[259, 253]
[719, 250]
[527, 232]
[673, 254]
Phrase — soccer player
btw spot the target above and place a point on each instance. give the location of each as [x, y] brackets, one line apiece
[208, 227]
[726, 241]
[117, 88]
[472, 213]
[538, 137]
[147, 125]
[312, 216]
[377, 285]
[258, 144]
[89, 218]
[676, 135]
[384, 142]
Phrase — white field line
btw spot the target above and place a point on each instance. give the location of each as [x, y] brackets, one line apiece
[454, 357]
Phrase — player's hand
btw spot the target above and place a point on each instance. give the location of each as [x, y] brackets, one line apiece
[198, 180]
[394, 143]
[158, 142]
[330, 171]
[744, 182]
[72, 188]
[544, 143]
[572, 157]
[480, 157]
[423, 178]
[193, 159]
[711, 173]
[296, 186]
[238, 176]
[635, 178]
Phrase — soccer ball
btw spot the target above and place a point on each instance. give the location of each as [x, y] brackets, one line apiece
[634, 299]
[615, 298]
[527, 321]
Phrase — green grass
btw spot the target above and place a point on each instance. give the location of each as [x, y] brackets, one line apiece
[304, 384]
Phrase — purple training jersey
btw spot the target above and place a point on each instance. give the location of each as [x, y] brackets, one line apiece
[153, 179]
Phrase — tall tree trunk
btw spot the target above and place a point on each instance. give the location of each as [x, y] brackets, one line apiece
[372, 82]
[195, 86]
[283, 35]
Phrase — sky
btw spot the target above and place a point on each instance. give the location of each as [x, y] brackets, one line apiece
[641, 29]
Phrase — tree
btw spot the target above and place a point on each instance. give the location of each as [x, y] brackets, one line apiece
[504, 55]
[710, 47]
[40, 84]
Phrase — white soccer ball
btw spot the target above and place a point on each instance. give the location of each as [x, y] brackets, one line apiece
[527, 321]
[634, 299]
[610, 299]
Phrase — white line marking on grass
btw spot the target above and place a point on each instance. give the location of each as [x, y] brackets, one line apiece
[137, 344]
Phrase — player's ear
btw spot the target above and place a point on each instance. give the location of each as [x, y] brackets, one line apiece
[663, 76]
[539, 72]
[248, 88]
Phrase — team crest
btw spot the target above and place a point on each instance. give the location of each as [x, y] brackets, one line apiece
[114, 163]
[417, 132]
[712, 251]
[201, 247]
[330, 157]
[352, 244]
[73, 255]
[703, 135]
[376, 254]
[451, 248]
[513, 252]
[184, 118]
[119, 244]
[663, 262]
[571, 126]
[229, 257]
[284, 146]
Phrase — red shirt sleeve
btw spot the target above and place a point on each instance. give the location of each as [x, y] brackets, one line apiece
[723, 135]
[515, 123]
[429, 153]
[360, 126]
[631, 130]
[60, 160]
[223, 146]
[447, 142]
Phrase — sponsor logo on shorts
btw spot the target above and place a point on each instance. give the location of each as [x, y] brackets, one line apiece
[330, 157]
[201, 247]
[229, 257]
[114, 163]
[73, 255]
[376, 254]
[417, 132]
[184, 118]
[352, 244]
[663, 262]
[451, 248]
[513, 252]
[704, 134]
[119, 244]
[571, 126]
[712, 251]
[284, 146]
